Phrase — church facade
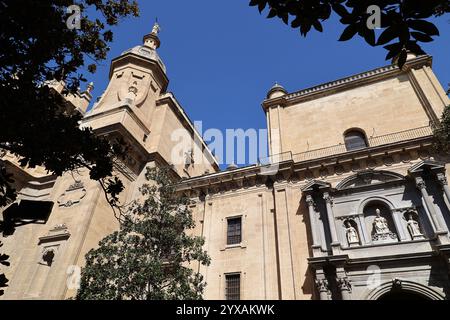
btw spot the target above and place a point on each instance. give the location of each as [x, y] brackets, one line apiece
[352, 202]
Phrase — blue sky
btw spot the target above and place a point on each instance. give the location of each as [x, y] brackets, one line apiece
[223, 56]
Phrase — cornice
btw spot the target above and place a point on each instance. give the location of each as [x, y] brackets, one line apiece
[122, 106]
[288, 169]
[346, 83]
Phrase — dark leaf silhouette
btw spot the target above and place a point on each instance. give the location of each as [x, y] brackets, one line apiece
[37, 126]
[401, 20]
[348, 33]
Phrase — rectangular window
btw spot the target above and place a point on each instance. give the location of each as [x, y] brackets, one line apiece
[233, 287]
[234, 231]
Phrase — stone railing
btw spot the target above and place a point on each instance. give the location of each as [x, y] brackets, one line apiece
[377, 141]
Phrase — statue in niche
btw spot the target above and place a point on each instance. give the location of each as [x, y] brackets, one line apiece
[352, 233]
[381, 231]
[380, 224]
[413, 227]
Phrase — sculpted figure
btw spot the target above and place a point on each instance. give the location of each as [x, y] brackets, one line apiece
[352, 234]
[380, 224]
[413, 226]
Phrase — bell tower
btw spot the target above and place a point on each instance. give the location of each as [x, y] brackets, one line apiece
[137, 108]
[137, 79]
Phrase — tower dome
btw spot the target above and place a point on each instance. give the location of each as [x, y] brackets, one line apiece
[276, 91]
[148, 49]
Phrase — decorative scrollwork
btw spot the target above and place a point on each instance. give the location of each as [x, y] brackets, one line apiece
[73, 195]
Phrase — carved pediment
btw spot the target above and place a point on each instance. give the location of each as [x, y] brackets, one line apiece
[316, 185]
[369, 178]
[59, 232]
[426, 165]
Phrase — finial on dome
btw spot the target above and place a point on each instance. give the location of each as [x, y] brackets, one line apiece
[151, 40]
[156, 28]
[276, 91]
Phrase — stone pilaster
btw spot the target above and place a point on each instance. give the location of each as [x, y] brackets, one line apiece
[313, 222]
[345, 287]
[439, 229]
[444, 183]
[330, 215]
[323, 288]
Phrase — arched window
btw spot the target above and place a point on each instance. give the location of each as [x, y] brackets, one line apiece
[354, 140]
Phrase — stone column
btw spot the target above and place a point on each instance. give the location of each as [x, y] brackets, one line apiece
[444, 183]
[313, 221]
[329, 202]
[322, 287]
[345, 287]
[430, 206]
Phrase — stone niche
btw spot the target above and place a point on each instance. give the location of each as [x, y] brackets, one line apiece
[50, 247]
[378, 220]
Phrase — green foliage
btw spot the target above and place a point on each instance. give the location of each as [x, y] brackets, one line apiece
[37, 46]
[442, 133]
[403, 20]
[152, 256]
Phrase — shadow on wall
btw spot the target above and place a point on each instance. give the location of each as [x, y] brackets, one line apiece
[308, 283]
[23, 213]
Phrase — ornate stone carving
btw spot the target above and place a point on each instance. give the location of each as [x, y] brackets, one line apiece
[323, 172]
[310, 201]
[424, 154]
[344, 284]
[413, 225]
[442, 179]
[309, 175]
[371, 163]
[405, 157]
[328, 199]
[396, 283]
[57, 233]
[380, 223]
[339, 169]
[420, 183]
[355, 166]
[351, 233]
[388, 160]
[73, 195]
[322, 285]
[381, 229]
[132, 92]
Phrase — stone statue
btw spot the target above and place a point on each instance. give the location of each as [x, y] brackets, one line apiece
[352, 234]
[413, 227]
[380, 224]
